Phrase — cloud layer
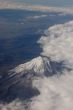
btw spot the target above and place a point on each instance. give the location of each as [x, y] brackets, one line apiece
[28, 6]
[58, 3]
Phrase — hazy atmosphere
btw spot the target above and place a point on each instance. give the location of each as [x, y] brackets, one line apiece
[58, 3]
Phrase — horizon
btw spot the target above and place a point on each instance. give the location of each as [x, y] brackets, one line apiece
[52, 3]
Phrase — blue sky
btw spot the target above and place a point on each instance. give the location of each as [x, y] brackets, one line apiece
[61, 3]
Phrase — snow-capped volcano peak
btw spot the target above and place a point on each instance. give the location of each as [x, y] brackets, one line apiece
[39, 65]
[36, 64]
[42, 66]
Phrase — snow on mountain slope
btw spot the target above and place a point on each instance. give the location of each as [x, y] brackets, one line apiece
[52, 71]
[41, 65]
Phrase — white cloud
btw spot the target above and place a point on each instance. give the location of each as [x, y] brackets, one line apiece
[58, 43]
[36, 17]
